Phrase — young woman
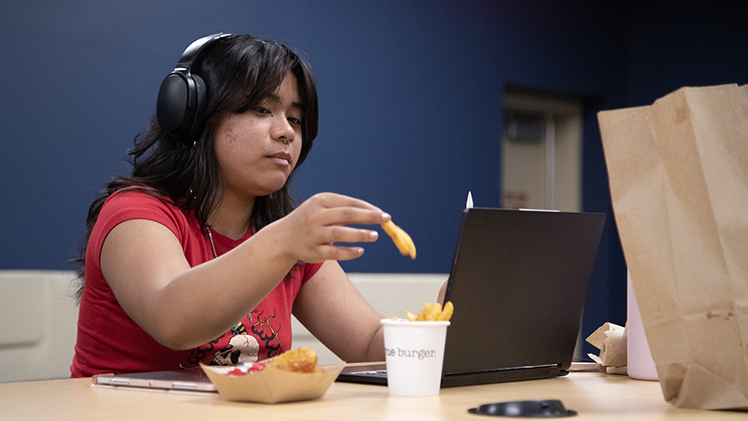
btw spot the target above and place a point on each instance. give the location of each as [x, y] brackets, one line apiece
[199, 255]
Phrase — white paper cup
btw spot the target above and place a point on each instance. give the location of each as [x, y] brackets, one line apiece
[414, 353]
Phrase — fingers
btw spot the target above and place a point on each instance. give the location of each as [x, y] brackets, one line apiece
[343, 210]
[325, 220]
[330, 200]
[442, 293]
[349, 216]
[337, 233]
[340, 253]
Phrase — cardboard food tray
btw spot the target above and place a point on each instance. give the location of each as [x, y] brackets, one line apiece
[271, 385]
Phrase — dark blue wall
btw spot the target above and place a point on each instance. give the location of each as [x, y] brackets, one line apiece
[410, 97]
[686, 43]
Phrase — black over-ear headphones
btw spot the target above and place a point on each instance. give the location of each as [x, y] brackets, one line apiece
[182, 97]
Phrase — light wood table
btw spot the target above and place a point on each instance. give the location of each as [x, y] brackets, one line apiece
[593, 395]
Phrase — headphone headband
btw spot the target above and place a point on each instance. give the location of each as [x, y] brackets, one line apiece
[191, 52]
[182, 97]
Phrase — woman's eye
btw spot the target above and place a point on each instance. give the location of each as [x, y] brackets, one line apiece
[295, 121]
[262, 110]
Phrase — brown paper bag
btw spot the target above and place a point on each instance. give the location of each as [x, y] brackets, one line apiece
[679, 183]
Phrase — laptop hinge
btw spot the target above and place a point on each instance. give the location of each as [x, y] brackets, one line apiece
[502, 375]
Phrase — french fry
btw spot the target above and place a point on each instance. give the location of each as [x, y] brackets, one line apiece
[446, 313]
[401, 239]
[432, 313]
[411, 317]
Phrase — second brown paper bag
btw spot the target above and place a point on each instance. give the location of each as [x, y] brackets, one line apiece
[678, 174]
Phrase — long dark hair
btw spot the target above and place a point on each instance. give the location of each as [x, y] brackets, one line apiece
[240, 72]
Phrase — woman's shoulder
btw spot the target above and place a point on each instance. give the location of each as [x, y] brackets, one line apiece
[143, 203]
[130, 196]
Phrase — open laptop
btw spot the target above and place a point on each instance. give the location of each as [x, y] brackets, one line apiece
[518, 283]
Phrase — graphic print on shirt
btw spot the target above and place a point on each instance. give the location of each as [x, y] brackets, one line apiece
[198, 354]
[240, 349]
[265, 331]
[240, 344]
[235, 347]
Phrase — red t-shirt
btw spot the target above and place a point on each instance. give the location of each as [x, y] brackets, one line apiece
[110, 342]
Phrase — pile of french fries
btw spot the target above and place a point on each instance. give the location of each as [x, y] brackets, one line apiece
[431, 313]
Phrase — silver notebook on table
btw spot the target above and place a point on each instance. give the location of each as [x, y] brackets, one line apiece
[194, 380]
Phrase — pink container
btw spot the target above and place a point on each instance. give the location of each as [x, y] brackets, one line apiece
[641, 366]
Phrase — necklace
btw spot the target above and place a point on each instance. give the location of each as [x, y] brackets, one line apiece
[212, 245]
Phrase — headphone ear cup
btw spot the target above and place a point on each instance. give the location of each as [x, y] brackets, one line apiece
[182, 98]
[172, 106]
[181, 103]
[200, 92]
